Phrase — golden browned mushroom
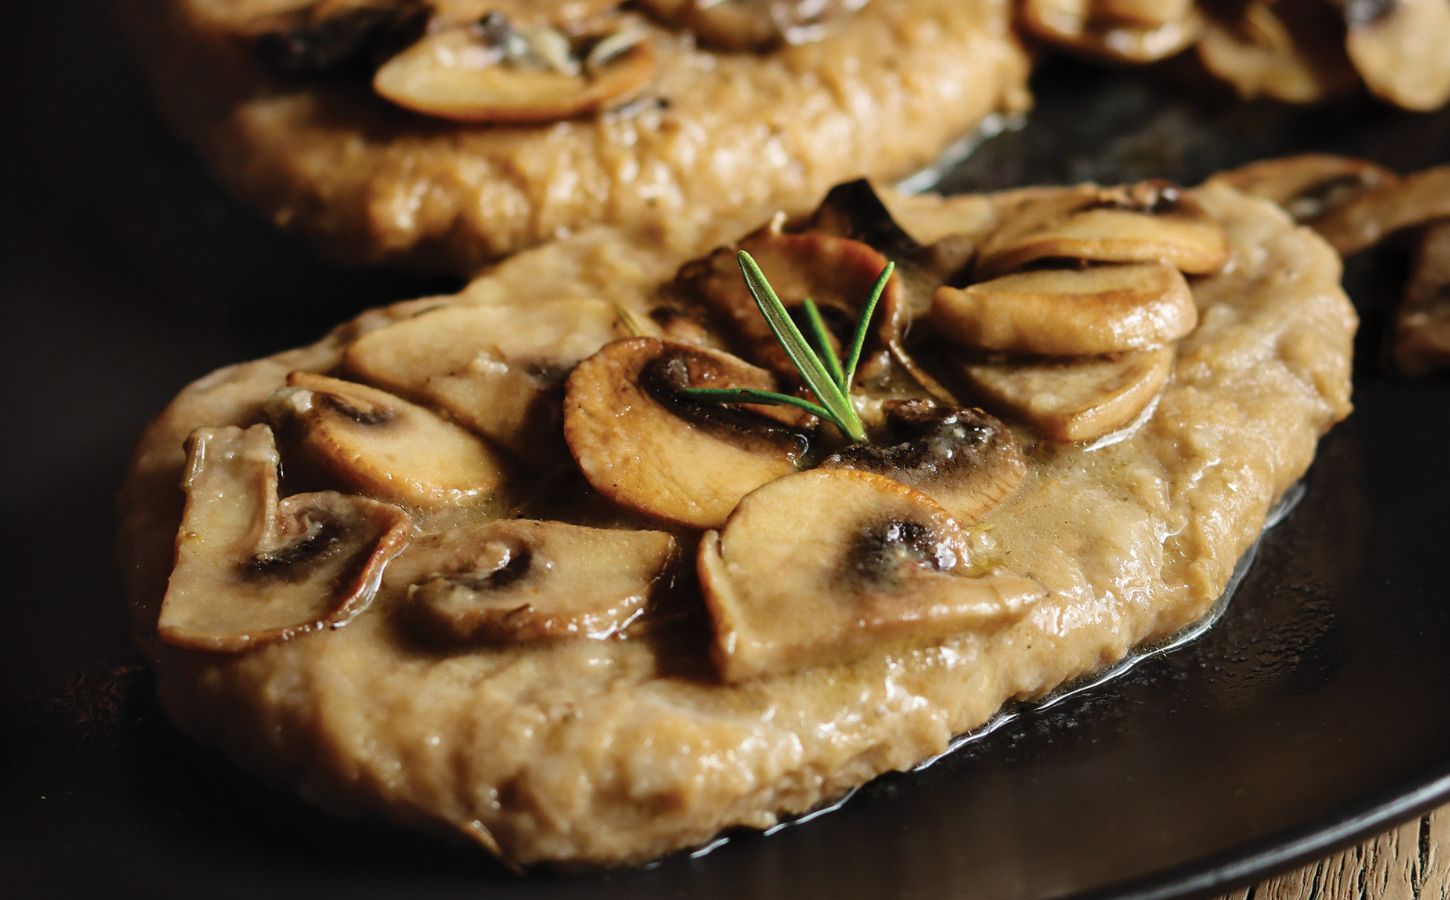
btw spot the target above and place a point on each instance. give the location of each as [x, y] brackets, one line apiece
[375, 443]
[836, 272]
[1287, 50]
[1422, 325]
[1069, 312]
[1402, 49]
[1076, 398]
[644, 444]
[1309, 185]
[740, 25]
[1133, 31]
[830, 565]
[1374, 214]
[498, 369]
[525, 580]
[962, 458]
[492, 71]
[1152, 221]
[251, 570]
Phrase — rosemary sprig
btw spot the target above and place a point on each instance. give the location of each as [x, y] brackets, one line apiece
[824, 374]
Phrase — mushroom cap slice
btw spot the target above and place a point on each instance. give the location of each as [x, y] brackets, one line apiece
[1131, 31]
[523, 580]
[1402, 50]
[1374, 214]
[741, 25]
[1152, 221]
[836, 272]
[646, 446]
[498, 369]
[1422, 325]
[1073, 399]
[471, 74]
[830, 565]
[962, 458]
[321, 38]
[1309, 185]
[251, 570]
[1069, 312]
[1287, 50]
[376, 443]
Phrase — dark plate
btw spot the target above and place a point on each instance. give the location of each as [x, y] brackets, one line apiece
[1312, 715]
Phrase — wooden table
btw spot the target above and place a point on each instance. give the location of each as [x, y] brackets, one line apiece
[1411, 862]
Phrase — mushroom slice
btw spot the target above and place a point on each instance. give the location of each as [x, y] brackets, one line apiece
[1402, 50]
[490, 71]
[836, 272]
[498, 369]
[1069, 312]
[1146, 222]
[1287, 50]
[1074, 399]
[1373, 215]
[375, 443]
[740, 25]
[642, 443]
[1133, 31]
[329, 36]
[830, 565]
[1309, 185]
[251, 570]
[522, 580]
[962, 458]
[1422, 326]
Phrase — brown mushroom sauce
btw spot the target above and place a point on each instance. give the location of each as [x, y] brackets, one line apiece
[493, 560]
[662, 584]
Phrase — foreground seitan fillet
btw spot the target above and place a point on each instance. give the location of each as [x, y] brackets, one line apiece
[611, 752]
[715, 142]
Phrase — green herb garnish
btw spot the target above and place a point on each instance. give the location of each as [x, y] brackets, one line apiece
[823, 372]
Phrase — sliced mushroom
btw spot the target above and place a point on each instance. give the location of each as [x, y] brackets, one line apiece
[1152, 221]
[830, 565]
[331, 36]
[524, 580]
[1402, 49]
[642, 443]
[1069, 312]
[741, 25]
[498, 369]
[375, 443]
[251, 570]
[491, 71]
[1287, 50]
[1133, 31]
[1374, 214]
[1309, 185]
[962, 458]
[1073, 399]
[836, 272]
[1422, 326]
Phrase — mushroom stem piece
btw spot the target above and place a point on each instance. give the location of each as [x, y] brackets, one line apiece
[251, 570]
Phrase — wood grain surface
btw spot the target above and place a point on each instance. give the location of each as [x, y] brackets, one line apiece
[1411, 862]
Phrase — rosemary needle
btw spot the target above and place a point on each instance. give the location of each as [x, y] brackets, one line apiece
[823, 373]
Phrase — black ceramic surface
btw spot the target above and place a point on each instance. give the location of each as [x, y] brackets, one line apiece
[1312, 715]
